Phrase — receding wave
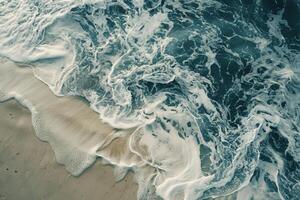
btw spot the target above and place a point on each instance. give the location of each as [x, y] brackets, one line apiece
[209, 89]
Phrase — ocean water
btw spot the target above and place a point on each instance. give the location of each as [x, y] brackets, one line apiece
[211, 88]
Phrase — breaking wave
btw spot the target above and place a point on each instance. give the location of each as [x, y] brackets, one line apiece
[211, 88]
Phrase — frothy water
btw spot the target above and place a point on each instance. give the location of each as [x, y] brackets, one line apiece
[211, 87]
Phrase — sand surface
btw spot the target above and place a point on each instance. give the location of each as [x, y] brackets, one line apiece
[28, 169]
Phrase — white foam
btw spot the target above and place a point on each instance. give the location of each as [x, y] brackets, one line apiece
[70, 127]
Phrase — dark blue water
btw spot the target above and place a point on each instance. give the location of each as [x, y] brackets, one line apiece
[216, 80]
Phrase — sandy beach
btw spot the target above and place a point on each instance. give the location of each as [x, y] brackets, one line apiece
[28, 166]
[149, 100]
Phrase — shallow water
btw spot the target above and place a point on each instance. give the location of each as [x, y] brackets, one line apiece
[210, 87]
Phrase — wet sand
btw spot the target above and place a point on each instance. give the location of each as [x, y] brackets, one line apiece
[28, 169]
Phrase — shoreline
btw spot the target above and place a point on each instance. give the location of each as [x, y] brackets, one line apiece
[29, 170]
[30, 114]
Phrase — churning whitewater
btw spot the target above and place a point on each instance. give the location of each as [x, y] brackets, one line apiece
[211, 88]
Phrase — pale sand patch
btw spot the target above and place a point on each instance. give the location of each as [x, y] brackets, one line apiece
[74, 132]
[28, 169]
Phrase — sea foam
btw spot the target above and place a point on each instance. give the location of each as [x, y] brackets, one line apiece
[205, 94]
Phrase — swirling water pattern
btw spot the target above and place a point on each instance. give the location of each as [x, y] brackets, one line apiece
[212, 85]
